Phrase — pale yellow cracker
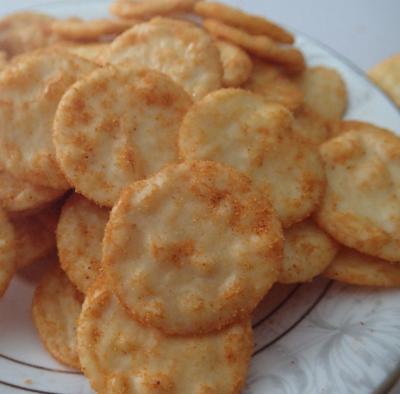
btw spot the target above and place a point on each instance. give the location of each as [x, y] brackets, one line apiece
[55, 309]
[361, 206]
[271, 83]
[236, 63]
[192, 249]
[261, 46]
[324, 91]
[118, 355]
[30, 90]
[118, 126]
[253, 24]
[356, 268]
[25, 31]
[80, 233]
[77, 29]
[92, 52]
[179, 49]
[17, 195]
[387, 76]
[149, 8]
[307, 253]
[240, 129]
[35, 235]
[7, 252]
[310, 125]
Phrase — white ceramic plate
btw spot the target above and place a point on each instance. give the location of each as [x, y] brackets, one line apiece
[321, 337]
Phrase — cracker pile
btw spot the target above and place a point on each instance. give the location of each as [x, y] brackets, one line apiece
[182, 159]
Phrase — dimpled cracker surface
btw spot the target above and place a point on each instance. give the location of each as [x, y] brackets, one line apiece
[179, 49]
[55, 309]
[271, 83]
[35, 235]
[236, 63]
[307, 252]
[30, 90]
[17, 195]
[118, 355]
[324, 91]
[117, 126]
[240, 129]
[355, 268]
[387, 76]
[7, 252]
[25, 31]
[361, 206]
[80, 233]
[192, 249]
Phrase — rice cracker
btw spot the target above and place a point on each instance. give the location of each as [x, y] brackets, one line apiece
[162, 235]
[117, 126]
[179, 49]
[253, 24]
[324, 91]
[261, 46]
[80, 232]
[355, 268]
[7, 252]
[361, 206]
[118, 355]
[55, 309]
[387, 76]
[240, 129]
[30, 90]
[307, 253]
[236, 63]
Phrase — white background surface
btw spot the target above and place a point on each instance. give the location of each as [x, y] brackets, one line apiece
[365, 31]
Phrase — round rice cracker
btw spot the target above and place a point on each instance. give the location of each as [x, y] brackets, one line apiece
[25, 31]
[261, 46]
[307, 253]
[7, 252]
[311, 126]
[362, 169]
[240, 129]
[80, 232]
[324, 91]
[271, 83]
[236, 64]
[120, 355]
[55, 310]
[77, 29]
[254, 24]
[387, 76]
[30, 90]
[148, 9]
[35, 235]
[183, 51]
[19, 196]
[355, 268]
[117, 126]
[162, 235]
